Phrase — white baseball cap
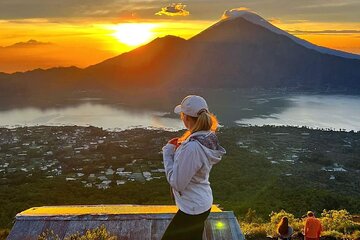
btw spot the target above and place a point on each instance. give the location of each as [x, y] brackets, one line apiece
[191, 105]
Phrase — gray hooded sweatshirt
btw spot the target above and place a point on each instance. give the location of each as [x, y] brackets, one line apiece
[187, 170]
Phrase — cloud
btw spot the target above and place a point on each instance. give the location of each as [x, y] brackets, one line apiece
[29, 21]
[69, 9]
[95, 10]
[174, 9]
[235, 12]
[30, 43]
[328, 3]
[275, 20]
[351, 31]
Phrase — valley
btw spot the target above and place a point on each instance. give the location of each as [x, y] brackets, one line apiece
[266, 168]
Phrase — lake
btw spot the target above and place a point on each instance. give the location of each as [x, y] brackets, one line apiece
[231, 107]
[85, 114]
[315, 111]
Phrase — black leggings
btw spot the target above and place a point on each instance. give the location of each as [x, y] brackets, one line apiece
[186, 227]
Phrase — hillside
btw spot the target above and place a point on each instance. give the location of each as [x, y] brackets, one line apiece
[265, 169]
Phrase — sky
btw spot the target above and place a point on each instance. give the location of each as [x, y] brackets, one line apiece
[45, 34]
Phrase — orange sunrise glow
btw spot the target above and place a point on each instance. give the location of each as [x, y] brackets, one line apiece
[45, 42]
[134, 34]
[113, 105]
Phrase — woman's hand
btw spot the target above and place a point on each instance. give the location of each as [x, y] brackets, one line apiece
[174, 141]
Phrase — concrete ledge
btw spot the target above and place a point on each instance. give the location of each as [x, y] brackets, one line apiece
[124, 221]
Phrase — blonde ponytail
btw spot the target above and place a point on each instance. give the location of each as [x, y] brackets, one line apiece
[204, 122]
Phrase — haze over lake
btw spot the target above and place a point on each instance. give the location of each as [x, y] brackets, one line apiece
[233, 109]
[86, 114]
[315, 111]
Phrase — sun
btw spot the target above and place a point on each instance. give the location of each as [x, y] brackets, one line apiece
[134, 34]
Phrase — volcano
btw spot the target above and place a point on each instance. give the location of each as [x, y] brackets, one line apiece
[242, 50]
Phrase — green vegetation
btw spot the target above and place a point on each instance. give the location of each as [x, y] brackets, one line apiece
[336, 223]
[99, 233]
[265, 169]
[4, 233]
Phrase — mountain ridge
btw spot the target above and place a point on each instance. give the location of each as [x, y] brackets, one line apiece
[235, 52]
[256, 19]
[245, 14]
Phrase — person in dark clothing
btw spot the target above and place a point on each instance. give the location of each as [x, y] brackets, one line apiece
[284, 230]
[186, 227]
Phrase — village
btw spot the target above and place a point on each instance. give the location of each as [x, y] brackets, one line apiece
[59, 165]
[275, 148]
[102, 159]
[74, 154]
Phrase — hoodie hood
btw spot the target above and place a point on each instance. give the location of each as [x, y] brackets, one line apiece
[210, 144]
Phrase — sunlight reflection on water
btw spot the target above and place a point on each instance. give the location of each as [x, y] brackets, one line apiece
[315, 111]
[87, 114]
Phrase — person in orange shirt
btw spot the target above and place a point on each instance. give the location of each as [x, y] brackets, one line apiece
[312, 228]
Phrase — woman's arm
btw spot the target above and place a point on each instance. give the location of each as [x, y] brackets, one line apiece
[168, 158]
[188, 161]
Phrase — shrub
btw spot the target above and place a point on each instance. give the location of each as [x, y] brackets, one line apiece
[355, 235]
[337, 224]
[251, 217]
[255, 230]
[337, 220]
[332, 233]
[4, 233]
[275, 218]
[48, 235]
[298, 225]
[99, 233]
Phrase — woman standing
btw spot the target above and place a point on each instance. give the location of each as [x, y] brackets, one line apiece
[284, 230]
[188, 161]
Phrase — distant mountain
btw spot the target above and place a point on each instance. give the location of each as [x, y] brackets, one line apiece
[148, 65]
[245, 51]
[256, 19]
[240, 51]
[39, 82]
